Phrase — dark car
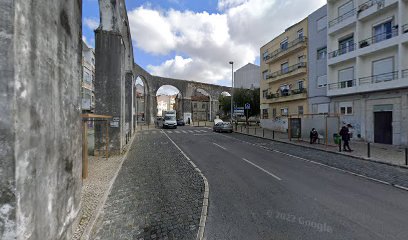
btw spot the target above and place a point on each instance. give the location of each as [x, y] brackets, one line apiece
[223, 127]
[181, 122]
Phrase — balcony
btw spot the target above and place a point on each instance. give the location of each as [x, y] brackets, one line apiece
[379, 78]
[281, 52]
[379, 38]
[342, 84]
[404, 73]
[405, 29]
[346, 20]
[342, 51]
[373, 8]
[287, 95]
[291, 71]
[341, 18]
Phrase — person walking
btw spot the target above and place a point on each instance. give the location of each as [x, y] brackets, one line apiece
[345, 137]
[314, 136]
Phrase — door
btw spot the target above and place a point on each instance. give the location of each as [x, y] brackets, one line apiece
[383, 127]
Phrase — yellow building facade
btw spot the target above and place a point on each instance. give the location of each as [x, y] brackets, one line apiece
[284, 73]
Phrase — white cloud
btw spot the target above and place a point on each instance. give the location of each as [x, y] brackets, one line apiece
[91, 23]
[209, 41]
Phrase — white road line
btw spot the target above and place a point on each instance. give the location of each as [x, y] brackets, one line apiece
[191, 131]
[203, 131]
[260, 168]
[176, 131]
[169, 131]
[204, 210]
[219, 146]
[183, 131]
[197, 131]
[154, 132]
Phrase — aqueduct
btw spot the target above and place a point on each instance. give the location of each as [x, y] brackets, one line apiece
[116, 74]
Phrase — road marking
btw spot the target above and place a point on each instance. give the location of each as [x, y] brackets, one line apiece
[197, 131]
[183, 131]
[260, 168]
[219, 146]
[176, 131]
[191, 131]
[154, 132]
[202, 134]
[169, 131]
[204, 210]
[321, 164]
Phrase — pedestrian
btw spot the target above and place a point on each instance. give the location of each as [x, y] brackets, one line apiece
[188, 121]
[314, 136]
[345, 137]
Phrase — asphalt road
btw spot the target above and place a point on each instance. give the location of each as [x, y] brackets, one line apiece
[259, 194]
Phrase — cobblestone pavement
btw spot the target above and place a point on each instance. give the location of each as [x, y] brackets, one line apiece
[157, 195]
[391, 174]
[100, 174]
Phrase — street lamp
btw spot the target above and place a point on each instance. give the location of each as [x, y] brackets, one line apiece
[232, 87]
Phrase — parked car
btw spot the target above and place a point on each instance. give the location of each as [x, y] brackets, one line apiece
[180, 122]
[223, 127]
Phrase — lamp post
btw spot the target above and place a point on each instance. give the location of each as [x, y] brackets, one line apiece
[232, 88]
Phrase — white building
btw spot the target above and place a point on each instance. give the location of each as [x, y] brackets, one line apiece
[368, 67]
[88, 78]
[247, 77]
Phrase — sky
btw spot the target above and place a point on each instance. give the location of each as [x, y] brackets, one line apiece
[196, 39]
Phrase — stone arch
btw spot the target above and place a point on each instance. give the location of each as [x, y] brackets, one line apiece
[170, 93]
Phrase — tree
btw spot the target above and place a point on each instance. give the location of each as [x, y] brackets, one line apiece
[243, 96]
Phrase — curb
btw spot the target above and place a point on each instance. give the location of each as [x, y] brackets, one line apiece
[88, 229]
[204, 210]
[322, 150]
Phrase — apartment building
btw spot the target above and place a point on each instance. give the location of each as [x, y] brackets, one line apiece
[368, 67]
[284, 77]
[317, 60]
[247, 77]
[88, 78]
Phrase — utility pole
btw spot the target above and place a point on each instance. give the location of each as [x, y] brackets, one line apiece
[232, 88]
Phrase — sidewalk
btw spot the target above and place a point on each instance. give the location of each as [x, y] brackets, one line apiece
[378, 152]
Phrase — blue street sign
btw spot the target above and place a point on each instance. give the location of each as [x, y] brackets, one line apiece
[247, 106]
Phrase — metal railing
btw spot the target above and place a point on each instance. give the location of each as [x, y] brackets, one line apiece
[342, 17]
[281, 50]
[286, 70]
[283, 93]
[378, 38]
[379, 78]
[405, 29]
[342, 51]
[368, 4]
[343, 84]
[404, 73]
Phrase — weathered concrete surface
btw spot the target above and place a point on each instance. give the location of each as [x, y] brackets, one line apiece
[40, 143]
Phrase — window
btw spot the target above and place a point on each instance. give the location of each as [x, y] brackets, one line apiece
[195, 105]
[382, 31]
[285, 67]
[284, 111]
[203, 106]
[264, 74]
[345, 8]
[301, 58]
[300, 33]
[274, 113]
[300, 84]
[346, 108]
[322, 53]
[346, 45]
[322, 23]
[284, 90]
[265, 94]
[322, 108]
[322, 81]
[284, 44]
[265, 54]
[265, 113]
[346, 77]
[382, 69]
[300, 110]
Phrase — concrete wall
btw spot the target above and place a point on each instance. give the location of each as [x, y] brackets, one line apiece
[247, 77]
[40, 150]
[317, 67]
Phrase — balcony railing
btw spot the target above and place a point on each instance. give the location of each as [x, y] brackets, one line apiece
[281, 50]
[379, 38]
[286, 70]
[342, 17]
[379, 78]
[343, 84]
[286, 93]
[369, 4]
[342, 51]
[404, 73]
[405, 29]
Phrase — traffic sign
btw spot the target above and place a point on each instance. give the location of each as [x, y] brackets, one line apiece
[247, 106]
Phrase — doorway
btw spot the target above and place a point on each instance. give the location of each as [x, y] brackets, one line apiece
[383, 127]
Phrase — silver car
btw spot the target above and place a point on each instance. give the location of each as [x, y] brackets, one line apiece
[223, 127]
